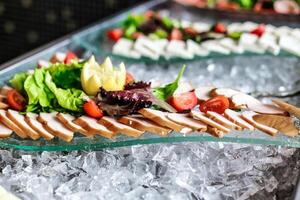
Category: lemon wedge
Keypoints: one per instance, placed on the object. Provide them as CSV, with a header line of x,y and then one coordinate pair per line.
x,y
94,76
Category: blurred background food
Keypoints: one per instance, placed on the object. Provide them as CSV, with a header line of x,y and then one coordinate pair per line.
x,y
27,24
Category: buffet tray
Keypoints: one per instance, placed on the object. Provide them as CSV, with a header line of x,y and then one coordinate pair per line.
x,y
75,42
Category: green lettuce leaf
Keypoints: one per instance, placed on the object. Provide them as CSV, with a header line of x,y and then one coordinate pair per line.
x,y
163,93
70,99
66,75
18,80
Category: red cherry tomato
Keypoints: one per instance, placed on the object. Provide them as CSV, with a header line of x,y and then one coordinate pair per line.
x,y
115,34
148,14
184,101
69,57
16,100
176,34
216,104
219,28
136,35
259,30
92,109
129,78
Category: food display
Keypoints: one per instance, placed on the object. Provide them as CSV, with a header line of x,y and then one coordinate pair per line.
x,y
154,36
67,95
260,6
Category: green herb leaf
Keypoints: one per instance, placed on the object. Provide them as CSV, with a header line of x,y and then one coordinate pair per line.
x,y
163,93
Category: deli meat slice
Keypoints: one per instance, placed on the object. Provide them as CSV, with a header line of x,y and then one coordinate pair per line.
x,y
248,116
4,131
201,116
56,128
222,120
67,120
236,118
185,120
19,120
203,93
160,118
31,119
115,126
142,124
10,124
93,127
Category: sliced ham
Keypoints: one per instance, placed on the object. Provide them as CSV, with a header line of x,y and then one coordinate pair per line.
x,y
282,123
201,116
227,92
4,131
160,118
236,118
58,57
222,120
248,116
93,127
19,120
287,107
10,124
31,119
203,93
67,120
246,101
56,128
185,120
142,124
117,127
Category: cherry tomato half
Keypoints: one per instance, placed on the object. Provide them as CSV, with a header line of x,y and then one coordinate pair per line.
x,y
216,104
115,34
129,78
69,57
16,100
259,30
92,109
219,28
176,34
184,101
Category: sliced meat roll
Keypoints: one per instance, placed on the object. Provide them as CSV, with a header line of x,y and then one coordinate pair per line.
x,y
185,120
55,127
93,127
67,120
19,120
201,116
236,118
142,124
115,126
10,124
4,131
31,119
248,116
160,118
222,120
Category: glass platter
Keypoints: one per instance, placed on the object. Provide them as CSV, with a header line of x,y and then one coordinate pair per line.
x,y
95,38
249,73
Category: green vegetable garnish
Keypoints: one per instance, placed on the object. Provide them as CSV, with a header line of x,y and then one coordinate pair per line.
x,y
163,93
235,35
18,80
167,22
129,31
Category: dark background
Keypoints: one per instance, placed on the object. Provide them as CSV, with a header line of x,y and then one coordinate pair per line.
x,y
27,24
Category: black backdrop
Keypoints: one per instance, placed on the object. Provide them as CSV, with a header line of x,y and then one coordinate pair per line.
x,y
26,24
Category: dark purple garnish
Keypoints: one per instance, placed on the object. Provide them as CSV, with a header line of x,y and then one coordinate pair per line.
x,y
134,97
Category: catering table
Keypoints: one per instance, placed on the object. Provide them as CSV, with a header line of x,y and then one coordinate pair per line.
x,y
187,170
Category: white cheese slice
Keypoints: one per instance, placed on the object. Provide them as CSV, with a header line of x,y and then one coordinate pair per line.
x,y
196,49
282,30
140,47
248,26
290,44
234,27
296,33
177,48
268,41
215,46
249,42
123,47
231,45
201,26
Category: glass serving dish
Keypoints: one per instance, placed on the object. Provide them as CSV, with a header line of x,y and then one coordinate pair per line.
x,y
95,38
249,73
